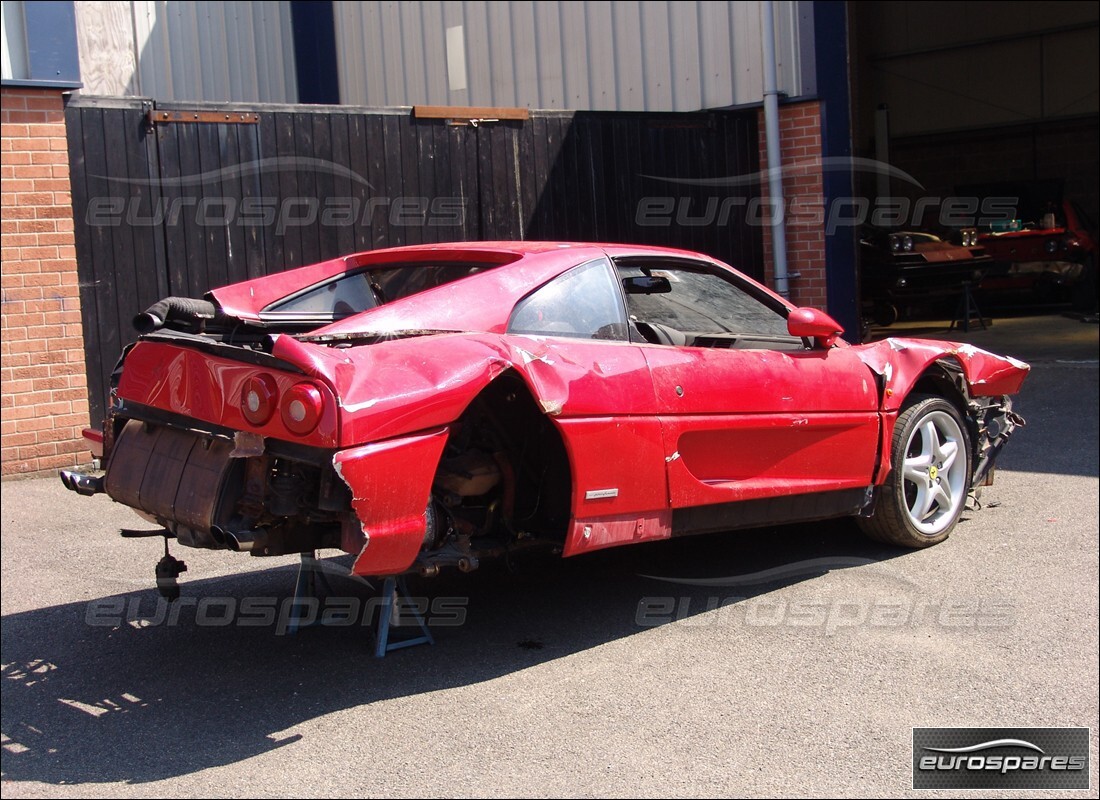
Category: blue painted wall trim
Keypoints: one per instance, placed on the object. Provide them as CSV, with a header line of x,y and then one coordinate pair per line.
x,y
315,52
831,56
52,59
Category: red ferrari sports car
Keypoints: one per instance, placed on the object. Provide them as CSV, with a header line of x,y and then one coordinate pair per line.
x,y
424,407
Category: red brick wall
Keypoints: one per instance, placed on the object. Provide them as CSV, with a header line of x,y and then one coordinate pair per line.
x,y
800,144
44,400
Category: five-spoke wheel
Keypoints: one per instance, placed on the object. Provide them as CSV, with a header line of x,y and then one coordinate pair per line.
x,y
923,497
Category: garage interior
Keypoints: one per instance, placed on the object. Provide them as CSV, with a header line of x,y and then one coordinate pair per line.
x,y
979,93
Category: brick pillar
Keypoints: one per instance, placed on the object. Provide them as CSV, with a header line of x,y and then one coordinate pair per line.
x,y
44,400
800,151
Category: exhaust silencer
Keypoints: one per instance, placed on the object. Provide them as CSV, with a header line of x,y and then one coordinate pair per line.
x,y
80,483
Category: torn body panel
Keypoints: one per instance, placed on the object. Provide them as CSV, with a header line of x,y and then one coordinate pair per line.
x,y
390,483
982,380
903,362
584,377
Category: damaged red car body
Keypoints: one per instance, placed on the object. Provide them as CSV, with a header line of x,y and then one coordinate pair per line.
x,y
430,406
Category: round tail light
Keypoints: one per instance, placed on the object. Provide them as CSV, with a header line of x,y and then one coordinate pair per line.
x,y
301,408
259,396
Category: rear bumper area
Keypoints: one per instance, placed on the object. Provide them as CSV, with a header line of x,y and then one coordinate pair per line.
x,y
177,476
211,492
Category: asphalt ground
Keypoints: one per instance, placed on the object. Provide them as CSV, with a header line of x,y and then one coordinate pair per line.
x,y
593,676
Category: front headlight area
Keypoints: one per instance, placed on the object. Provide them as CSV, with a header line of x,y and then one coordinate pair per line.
x,y
901,243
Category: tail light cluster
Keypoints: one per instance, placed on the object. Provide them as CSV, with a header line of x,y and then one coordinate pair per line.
x,y
300,407
259,397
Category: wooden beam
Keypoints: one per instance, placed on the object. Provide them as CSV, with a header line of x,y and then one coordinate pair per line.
x,y
482,113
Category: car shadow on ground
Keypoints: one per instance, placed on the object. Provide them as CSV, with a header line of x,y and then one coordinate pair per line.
x,y
89,696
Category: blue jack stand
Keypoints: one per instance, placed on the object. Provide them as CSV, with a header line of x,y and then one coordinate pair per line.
x,y
393,590
390,611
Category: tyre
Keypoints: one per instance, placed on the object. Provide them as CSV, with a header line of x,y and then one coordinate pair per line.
x,y
885,313
929,479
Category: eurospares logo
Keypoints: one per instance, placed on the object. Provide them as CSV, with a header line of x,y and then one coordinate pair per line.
x,y
1001,758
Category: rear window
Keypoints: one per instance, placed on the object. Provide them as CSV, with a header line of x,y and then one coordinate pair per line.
x,y
356,292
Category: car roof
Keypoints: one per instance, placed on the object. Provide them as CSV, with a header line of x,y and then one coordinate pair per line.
x,y
481,302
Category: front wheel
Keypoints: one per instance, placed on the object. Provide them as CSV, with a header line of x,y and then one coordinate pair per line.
x,y
924,495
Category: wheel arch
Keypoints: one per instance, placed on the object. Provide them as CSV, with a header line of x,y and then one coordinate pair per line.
x,y
909,507
404,470
943,377
536,448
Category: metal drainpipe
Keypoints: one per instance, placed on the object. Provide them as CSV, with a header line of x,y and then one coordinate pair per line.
x,y
771,135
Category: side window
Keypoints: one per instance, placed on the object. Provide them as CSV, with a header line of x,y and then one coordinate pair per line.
x,y
694,307
584,303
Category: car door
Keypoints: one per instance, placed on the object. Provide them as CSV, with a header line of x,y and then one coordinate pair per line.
x,y
746,410
571,340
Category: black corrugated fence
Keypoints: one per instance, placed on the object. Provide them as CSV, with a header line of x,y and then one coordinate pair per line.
x,y
205,194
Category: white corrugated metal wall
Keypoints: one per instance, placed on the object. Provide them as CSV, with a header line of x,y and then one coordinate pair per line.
x,y
625,55
172,50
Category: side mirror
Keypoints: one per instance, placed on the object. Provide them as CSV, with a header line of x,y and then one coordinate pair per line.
x,y
647,284
814,324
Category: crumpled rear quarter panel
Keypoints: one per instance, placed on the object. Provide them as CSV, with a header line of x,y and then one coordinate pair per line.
x,y
390,484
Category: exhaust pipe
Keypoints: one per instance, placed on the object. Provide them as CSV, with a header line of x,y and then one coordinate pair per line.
x,y
80,483
241,541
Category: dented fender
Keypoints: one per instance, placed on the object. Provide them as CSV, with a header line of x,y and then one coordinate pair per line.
x,y
391,485
401,386
421,382
902,362
986,381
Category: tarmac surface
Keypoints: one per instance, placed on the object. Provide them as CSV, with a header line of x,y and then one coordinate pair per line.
x,y
594,676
